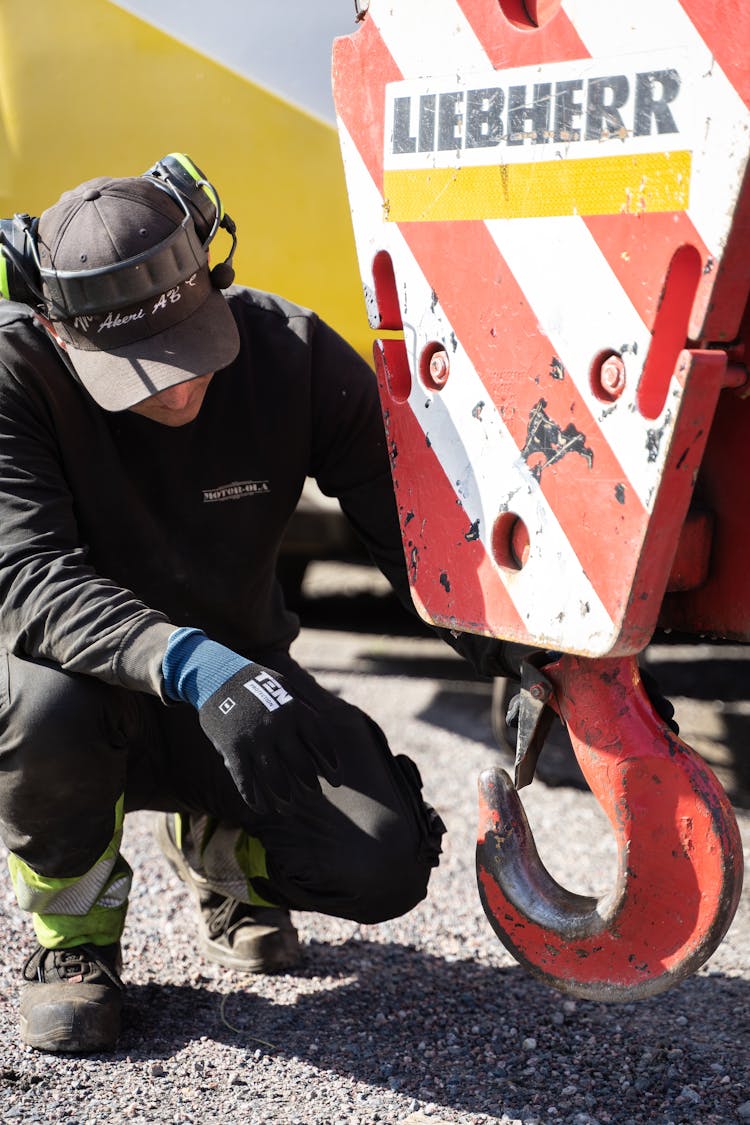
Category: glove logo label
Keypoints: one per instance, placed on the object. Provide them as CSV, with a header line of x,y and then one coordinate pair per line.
x,y
269,691
226,705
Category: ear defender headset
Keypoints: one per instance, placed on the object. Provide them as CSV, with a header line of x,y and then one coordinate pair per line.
x,y
73,293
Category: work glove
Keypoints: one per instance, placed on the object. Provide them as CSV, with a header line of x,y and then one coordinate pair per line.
x,y
267,736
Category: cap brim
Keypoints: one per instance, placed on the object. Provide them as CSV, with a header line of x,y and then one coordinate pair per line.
x,y
206,342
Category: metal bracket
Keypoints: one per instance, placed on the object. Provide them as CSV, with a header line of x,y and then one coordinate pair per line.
x,y
534,716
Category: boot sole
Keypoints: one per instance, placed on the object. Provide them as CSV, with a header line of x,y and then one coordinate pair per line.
x,y
274,961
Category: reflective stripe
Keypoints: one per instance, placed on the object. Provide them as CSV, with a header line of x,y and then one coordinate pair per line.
x,y
116,894
223,860
78,894
101,925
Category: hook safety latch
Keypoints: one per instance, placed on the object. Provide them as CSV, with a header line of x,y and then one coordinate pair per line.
x,y
530,711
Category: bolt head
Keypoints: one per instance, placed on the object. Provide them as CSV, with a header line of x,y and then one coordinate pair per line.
x,y
439,367
612,376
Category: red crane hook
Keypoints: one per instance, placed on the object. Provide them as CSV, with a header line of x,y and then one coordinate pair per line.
x,y
679,848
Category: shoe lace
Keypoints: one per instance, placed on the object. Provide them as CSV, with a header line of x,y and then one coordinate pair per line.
x,y
229,911
69,963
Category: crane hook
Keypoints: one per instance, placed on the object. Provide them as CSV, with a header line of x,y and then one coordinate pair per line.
x,y
679,849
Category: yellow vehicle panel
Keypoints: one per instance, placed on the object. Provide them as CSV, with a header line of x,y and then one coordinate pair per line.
x,y
91,88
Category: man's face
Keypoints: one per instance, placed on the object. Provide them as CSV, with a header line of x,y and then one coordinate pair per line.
x,y
177,405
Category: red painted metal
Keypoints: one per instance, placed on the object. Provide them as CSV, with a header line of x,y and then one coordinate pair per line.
x,y
679,850
720,605
569,481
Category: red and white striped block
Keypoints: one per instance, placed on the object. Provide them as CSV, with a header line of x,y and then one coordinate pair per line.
x,y
528,203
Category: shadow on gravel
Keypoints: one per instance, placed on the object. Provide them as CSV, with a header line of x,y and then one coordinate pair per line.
x,y
469,1035
719,680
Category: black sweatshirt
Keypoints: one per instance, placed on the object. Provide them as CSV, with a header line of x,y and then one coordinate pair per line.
x,y
115,529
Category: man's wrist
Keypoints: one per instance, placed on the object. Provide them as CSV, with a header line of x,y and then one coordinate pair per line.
x,y
194,667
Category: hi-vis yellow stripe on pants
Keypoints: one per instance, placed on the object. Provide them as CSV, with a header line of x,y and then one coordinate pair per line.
x,y
78,909
614,185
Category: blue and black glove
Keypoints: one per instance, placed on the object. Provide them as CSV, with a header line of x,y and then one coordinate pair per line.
x,y
266,736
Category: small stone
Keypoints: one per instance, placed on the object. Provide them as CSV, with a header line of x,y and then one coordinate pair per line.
x,y
743,1111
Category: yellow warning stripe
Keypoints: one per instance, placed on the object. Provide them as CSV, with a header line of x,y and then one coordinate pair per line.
x,y
609,185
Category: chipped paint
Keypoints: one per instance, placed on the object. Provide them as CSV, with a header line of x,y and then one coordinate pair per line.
x,y
414,562
653,441
548,440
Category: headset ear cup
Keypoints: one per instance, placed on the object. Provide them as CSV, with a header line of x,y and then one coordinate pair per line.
x,y
188,179
199,193
19,276
6,266
183,172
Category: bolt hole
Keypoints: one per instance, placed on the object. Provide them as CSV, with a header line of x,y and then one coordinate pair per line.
x,y
388,313
510,541
434,366
528,15
392,367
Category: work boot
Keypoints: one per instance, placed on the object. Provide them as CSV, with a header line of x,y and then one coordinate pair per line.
x,y
71,999
250,939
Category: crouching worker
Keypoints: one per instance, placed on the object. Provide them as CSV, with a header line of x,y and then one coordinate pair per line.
x,y
155,435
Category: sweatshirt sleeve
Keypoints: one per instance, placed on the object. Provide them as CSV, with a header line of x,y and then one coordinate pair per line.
x,y
53,604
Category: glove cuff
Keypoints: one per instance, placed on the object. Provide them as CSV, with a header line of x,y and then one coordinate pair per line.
x,y
194,667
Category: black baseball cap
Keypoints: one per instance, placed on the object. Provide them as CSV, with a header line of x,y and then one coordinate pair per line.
x,y
124,269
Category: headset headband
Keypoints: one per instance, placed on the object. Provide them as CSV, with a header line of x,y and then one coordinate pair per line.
x,y
81,292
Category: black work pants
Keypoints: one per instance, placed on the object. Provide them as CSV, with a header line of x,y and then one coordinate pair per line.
x,y
71,746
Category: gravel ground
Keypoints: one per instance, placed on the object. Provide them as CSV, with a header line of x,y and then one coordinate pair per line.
x,y
424,1019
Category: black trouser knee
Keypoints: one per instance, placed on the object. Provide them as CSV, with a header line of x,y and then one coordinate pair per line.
x,y
364,849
